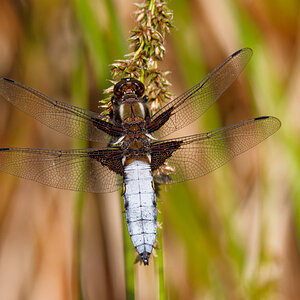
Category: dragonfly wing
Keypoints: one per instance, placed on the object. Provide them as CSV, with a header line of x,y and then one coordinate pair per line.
x,y
188,107
90,170
198,155
63,117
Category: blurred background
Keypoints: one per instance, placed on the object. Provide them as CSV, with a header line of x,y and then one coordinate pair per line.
x,y
233,234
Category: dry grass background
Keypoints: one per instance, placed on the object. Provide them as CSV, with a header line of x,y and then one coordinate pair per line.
x,y
233,234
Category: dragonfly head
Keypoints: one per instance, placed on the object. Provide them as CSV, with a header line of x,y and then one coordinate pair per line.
x,y
129,86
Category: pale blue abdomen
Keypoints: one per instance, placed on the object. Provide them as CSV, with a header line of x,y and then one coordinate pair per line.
x,y
140,207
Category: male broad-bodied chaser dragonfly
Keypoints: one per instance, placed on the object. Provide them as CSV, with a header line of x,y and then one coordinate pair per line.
x,y
132,152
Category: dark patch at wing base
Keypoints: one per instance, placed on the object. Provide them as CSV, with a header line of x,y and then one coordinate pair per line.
x,y
107,127
160,151
159,121
112,160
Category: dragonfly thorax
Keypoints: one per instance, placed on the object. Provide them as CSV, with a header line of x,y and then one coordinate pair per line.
x,y
132,112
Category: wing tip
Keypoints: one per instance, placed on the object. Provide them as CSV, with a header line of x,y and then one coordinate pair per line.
x,y
4,149
273,119
249,50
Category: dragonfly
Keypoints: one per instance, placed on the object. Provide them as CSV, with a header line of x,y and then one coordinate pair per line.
x,y
132,154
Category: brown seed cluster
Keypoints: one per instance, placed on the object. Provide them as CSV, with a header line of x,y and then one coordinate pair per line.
x,y
147,39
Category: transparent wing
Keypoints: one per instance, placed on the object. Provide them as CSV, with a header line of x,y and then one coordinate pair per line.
x,y
193,103
65,118
199,154
88,170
